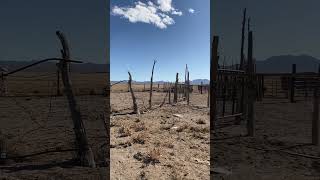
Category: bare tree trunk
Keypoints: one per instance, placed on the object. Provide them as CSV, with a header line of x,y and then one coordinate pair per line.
x,y
84,151
135,106
175,96
151,83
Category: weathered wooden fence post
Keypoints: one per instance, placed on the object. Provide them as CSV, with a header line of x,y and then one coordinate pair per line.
x,y
175,96
151,84
213,81
185,81
292,83
251,88
169,92
3,82
3,149
315,120
85,154
134,100
242,39
188,89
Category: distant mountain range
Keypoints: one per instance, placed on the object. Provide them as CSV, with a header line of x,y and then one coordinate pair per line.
x,y
274,64
283,64
193,82
51,67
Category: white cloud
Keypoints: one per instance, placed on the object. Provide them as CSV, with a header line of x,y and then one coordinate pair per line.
x,y
175,12
191,10
149,12
165,5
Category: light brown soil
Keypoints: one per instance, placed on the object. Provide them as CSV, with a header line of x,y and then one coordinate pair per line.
x,y
168,142
279,125
38,124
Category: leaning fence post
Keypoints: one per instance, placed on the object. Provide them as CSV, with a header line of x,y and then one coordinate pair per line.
x,y
151,84
135,106
175,96
85,153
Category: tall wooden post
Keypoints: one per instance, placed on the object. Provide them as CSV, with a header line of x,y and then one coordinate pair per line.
x,y
213,81
175,96
292,88
170,93
185,81
251,88
151,83
85,154
188,90
242,39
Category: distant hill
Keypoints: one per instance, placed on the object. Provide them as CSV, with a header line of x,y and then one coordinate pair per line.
x,y
283,64
51,67
193,82
198,81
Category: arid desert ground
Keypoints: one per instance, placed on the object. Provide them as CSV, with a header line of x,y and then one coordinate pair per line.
x,y
38,130
168,142
281,148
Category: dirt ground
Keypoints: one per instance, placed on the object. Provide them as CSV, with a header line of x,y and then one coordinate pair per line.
x,y
282,130
37,124
168,142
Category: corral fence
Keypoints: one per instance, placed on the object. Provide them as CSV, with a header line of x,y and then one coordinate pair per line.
x,y
236,91
174,92
60,88
232,92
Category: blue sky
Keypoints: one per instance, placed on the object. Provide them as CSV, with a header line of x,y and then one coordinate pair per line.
x,y
173,33
280,27
28,29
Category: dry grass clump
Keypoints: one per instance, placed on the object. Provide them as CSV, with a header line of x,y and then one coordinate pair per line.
x,y
139,127
124,132
151,157
139,139
182,128
200,121
165,127
199,129
168,145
